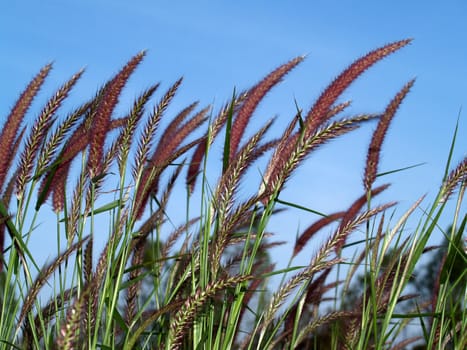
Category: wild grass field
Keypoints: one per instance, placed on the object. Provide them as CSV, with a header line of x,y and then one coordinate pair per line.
x,y
206,284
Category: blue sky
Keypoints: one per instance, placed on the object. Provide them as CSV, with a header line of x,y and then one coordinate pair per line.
x,y
220,45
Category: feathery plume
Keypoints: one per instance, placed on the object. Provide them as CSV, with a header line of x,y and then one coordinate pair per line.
x,y
457,177
171,130
39,131
91,292
166,154
75,207
55,179
297,147
374,149
229,181
353,210
69,332
138,244
10,186
185,316
284,152
319,112
13,121
149,183
145,142
213,130
172,239
45,316
344,231
174,135
87,271
134,283
57,137
314,295
281,295
134,117
255,95
42,278
315,227
101,118
320,321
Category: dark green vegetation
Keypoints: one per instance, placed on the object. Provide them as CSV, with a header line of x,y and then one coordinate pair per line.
x,y
204,285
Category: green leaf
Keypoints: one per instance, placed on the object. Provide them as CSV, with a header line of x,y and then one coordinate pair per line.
x,y
299,207
103,209
280,272
400,169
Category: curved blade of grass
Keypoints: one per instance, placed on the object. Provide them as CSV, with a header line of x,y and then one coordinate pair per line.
x,y
107,207
16,236
400,169
451,149
282,271
293,205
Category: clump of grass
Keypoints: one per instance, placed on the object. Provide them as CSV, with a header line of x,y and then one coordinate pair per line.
x,y
205,283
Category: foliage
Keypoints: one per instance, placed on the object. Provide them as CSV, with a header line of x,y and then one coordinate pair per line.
x,y
204,284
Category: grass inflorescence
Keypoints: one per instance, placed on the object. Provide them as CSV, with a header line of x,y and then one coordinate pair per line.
x,y
205,284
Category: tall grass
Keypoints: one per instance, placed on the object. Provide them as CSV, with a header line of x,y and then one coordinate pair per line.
x,y
205,284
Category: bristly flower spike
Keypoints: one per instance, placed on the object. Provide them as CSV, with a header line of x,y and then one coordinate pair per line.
x,y
171,130
101,120
379,135
128,131
318,113
353,211
255,95
294,148
457,177
58,174
11,126
315,227
214,129
146,139
39,131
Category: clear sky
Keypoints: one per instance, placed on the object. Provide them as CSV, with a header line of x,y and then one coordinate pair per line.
x,y
220,45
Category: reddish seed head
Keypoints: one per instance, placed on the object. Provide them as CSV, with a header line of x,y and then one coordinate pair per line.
x,y
318,113
255,96
374,149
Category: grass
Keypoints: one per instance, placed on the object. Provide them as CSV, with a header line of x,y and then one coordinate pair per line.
x,y
206,283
